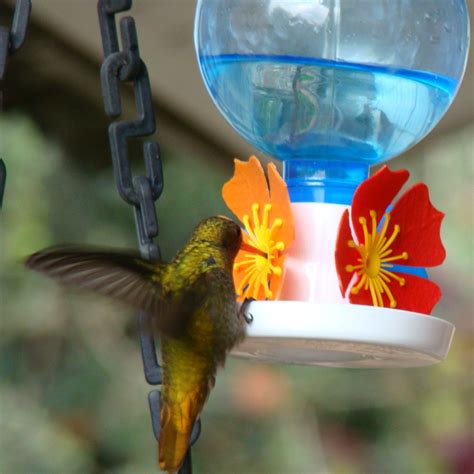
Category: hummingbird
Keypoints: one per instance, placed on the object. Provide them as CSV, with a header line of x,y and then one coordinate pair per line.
x,y
192,306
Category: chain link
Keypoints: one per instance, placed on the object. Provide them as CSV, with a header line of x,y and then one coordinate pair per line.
x,y
3,180
141,192
11,40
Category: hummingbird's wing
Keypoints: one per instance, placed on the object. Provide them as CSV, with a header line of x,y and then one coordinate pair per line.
x,y
122,275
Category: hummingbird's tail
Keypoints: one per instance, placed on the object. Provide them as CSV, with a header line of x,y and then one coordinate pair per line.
x,y
176,423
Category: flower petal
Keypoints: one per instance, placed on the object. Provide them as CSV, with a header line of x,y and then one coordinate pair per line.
x,y
420,224
275,280
344,254
240,274
246,187
260,295
239,270
281,207
375,193
419,295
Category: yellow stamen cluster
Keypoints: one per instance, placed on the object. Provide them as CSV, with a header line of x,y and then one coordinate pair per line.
x,y
375,258
259,266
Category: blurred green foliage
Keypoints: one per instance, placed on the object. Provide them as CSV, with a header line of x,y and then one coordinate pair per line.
x,y
72,392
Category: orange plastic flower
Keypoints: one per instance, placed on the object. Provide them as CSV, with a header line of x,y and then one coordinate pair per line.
x,y
264,209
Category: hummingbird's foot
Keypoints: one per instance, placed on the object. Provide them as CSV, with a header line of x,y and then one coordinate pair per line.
x,y
244,310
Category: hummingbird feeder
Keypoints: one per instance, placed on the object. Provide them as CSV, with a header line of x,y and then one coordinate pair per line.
x,y
331,88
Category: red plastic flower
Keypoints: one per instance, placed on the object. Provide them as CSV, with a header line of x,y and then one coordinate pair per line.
x,y
371,240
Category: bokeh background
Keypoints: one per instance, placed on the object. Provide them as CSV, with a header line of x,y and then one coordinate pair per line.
x,y
72,392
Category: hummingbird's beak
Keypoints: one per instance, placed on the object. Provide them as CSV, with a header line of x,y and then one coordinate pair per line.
x,y
250,248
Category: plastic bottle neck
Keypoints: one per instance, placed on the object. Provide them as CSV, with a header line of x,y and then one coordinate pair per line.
x,y
320,180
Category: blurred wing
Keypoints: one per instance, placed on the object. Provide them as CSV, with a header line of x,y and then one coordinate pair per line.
x,y
121,275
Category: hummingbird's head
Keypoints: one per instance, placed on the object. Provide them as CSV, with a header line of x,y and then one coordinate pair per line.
x,y
220,231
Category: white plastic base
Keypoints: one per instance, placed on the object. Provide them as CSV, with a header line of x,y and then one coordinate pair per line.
x,y
310,272
343,335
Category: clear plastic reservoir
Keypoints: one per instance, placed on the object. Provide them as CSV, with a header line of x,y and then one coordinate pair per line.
x,y
331,87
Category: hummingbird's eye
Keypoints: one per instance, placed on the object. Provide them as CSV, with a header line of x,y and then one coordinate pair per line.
x,y
238,234
232,237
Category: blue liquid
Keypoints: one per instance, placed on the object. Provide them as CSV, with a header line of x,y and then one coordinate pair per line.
x,y
326,120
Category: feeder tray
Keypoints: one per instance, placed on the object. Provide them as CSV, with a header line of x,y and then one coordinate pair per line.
x,y
343,335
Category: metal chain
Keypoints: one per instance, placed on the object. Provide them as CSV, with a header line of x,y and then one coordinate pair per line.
x,y
11,40
143,191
